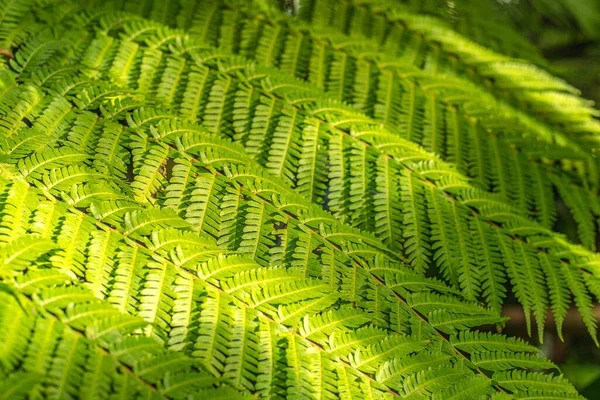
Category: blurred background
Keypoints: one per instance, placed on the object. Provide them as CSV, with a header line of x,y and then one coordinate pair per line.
x,y
567,33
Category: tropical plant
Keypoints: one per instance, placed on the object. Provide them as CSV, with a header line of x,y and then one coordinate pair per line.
x,y
223,199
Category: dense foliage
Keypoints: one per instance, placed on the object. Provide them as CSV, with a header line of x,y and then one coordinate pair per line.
x,y
234,199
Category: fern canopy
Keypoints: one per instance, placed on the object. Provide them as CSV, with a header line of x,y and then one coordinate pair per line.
x,y
217,199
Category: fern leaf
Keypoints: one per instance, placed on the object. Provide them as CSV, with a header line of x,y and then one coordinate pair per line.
x,y
416,231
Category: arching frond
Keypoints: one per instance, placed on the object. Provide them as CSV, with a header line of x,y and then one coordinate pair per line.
x,y
329,205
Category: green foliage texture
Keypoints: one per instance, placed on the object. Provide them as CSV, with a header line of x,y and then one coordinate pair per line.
x,y
241,199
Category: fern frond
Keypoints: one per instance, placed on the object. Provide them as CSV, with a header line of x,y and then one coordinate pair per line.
x,y
85,345
193,224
